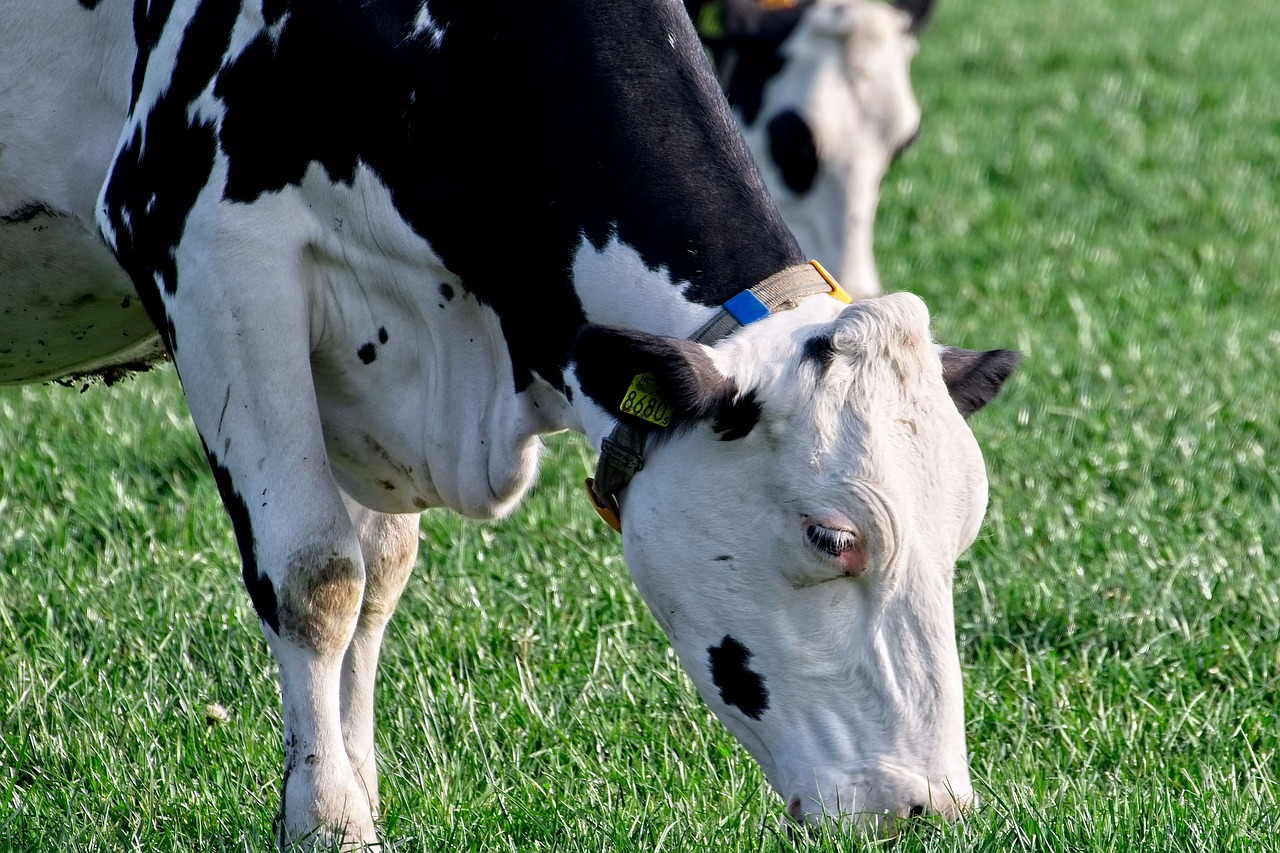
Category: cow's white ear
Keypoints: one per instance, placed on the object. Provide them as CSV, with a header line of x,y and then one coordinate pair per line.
x,y
975,378
618,368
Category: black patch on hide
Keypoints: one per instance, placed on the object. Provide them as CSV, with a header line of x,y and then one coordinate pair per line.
x,y
623,134
738,685
261,592
154,181
368,353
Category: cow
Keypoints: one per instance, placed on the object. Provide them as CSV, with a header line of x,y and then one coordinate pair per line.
x,y
387,244
822,92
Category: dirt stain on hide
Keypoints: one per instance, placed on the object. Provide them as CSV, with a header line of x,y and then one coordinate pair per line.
x,y
319,599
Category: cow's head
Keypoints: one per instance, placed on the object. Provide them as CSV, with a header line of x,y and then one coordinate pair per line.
x,y
795,530
835,110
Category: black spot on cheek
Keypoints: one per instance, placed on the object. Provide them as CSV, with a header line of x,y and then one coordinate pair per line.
x,y
446,291
736,419
368,353
792,148
820,351
382,334
723,557
738,685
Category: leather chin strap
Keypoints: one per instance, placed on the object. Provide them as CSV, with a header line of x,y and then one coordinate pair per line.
x,y
622,452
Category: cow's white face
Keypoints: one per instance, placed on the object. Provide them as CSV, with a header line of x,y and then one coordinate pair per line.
x,y
830,123
796,540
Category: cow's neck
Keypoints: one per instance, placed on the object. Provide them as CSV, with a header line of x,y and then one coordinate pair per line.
x,y
614,158
653,155
671,217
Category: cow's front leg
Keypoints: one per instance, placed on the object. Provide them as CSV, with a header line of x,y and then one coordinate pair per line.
x,y
319,596
390,546
247,375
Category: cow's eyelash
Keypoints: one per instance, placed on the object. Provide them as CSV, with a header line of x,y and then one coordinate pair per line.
x,y
831,541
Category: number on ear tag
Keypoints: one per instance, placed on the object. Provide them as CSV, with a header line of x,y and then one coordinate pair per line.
x,y
643,401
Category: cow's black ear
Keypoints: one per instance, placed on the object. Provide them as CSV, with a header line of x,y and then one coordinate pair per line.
x,y
919,10
649,380
974,378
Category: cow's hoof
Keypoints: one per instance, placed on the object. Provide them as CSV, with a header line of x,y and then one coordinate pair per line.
x,y
324,821
331,839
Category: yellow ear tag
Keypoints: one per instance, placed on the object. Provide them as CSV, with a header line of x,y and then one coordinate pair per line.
x,y
643,401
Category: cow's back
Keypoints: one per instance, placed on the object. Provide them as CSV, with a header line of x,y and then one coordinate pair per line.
x,y
65,305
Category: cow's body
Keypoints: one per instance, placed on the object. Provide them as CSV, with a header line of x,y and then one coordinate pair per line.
x,y
822,91
380,240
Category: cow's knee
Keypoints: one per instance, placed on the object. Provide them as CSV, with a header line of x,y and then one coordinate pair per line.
x,y
389,552
319,597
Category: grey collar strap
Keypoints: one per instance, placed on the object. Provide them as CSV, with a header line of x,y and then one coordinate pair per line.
x,y
622,452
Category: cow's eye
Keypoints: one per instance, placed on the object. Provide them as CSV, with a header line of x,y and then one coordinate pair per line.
x,y
831,541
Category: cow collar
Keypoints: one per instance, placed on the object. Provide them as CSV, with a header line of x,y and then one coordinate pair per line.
x,y
622,451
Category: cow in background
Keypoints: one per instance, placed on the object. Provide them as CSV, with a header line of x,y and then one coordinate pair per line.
x,y
822,92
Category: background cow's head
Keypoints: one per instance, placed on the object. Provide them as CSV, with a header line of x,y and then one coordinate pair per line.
x,y
822,90
795,531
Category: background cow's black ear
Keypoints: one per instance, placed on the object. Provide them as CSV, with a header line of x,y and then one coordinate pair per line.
x,y
608,360
919,10
974,378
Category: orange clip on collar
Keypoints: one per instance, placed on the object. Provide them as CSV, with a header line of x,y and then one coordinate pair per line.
x,y
837,292
605,511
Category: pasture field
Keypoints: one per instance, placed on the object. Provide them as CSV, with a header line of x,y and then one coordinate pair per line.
x,y
1097,184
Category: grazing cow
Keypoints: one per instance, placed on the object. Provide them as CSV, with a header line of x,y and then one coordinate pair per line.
x,y
388,243
822,91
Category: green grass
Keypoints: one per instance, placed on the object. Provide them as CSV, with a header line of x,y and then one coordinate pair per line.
x,y
1097,184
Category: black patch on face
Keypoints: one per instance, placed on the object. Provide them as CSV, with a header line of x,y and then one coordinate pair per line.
x,y
261,592
446,291
819,351
382,334
622,135
723,557
792,149
90,4
738,685
736,419
368,353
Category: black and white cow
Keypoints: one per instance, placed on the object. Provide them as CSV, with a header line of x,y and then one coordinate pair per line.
x,y
822,91
390,242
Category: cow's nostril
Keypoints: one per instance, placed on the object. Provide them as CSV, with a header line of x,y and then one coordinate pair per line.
x,y
792,149
917,810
